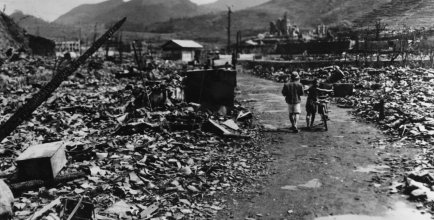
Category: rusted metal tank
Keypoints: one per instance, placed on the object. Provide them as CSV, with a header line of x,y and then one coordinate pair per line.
x,y
214,87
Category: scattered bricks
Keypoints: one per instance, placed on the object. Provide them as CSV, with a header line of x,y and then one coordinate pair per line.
x,y
6,201
42,161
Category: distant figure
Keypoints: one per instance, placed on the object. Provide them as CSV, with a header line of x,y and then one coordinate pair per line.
x,y
208,64
227,66
234,59
293,92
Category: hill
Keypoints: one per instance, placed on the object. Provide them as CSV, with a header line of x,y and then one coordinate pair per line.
x,y
184,19
222,5
139,12
304,13
87,32
399,13
11,35
39,27
87,13
57,32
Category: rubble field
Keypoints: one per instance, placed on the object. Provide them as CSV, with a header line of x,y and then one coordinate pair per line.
x,y
135,149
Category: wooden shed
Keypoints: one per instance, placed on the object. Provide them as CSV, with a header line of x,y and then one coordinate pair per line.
x,y
181,50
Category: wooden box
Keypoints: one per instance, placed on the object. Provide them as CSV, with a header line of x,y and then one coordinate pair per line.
x,y
42,162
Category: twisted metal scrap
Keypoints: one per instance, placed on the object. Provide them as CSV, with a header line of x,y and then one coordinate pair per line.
x,y
25,112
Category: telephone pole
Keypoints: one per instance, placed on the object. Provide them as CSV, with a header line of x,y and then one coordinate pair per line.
x,y
94,32
79,39
229,28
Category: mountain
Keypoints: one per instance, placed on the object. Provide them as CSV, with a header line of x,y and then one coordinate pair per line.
x,y
399,13
306,14
139,12
87,12
87,32
184,19
39,27
222,5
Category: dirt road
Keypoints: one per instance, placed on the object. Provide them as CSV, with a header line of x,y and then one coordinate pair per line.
x,y
316,174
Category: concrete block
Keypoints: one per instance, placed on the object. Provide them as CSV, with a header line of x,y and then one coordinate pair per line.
x,y
42,162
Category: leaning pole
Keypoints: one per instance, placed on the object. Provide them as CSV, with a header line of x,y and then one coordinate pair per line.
x,y
25,112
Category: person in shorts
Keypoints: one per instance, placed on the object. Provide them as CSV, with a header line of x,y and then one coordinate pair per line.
x,y
293,91
311,106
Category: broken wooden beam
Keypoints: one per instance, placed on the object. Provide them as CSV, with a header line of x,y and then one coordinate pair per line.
x,y
35,184
25,112
214,127
41,162
42,211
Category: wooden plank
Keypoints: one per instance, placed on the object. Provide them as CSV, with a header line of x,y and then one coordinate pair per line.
x,y
36,184
42,211
218,128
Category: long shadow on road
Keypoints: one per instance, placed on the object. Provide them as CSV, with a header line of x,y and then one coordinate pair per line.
x,y
315,174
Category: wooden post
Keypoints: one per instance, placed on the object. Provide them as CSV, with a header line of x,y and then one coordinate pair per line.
x,y
136,57
94,32
25,112
120,46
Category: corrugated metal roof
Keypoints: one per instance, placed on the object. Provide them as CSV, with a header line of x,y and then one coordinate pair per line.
x,y
187,43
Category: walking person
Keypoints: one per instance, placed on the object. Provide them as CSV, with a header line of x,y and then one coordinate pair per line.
x,y
313,93
293,91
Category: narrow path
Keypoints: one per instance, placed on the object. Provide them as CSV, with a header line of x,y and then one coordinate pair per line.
x,y
317,174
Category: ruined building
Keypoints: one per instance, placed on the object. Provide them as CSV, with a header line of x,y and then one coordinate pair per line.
x,y
283,28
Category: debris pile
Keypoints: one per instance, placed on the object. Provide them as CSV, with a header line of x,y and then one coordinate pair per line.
x,y
134,149
400,101
326,74
407,97
407,94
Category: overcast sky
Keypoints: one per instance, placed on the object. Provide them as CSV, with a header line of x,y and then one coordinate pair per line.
x,y
52,9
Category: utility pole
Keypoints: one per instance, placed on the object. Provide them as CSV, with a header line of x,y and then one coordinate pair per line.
x,y
94,32
120,45
229,28
79,40
237,49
